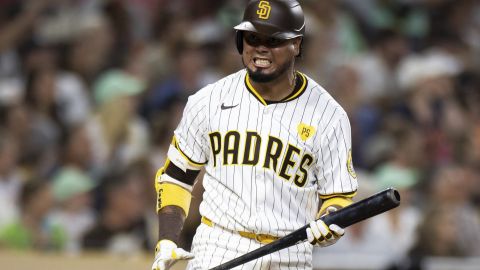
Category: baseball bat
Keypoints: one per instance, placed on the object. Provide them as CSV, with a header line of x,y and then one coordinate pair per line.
x,y
356,212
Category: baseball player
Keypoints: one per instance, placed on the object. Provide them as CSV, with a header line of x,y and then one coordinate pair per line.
x,y
276,148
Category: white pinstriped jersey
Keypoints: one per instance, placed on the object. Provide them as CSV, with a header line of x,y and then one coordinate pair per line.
x,y
266,162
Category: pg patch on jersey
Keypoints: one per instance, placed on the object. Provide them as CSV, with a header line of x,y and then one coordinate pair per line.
x,y
305,131
350,169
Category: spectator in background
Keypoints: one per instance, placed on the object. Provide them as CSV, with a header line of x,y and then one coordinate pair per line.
x,y
332,37
10,178
451,225
402,169
117,134
395,230
91,49
17,19
32,229
74,212
37,151
428,79
436,238
438,233
431,103
72,185
190,73
121,226
46,126
143,170
377,67
76,150
452,185
16,121
68,91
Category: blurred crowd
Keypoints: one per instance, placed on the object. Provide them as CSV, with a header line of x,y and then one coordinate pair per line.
x,y
91,91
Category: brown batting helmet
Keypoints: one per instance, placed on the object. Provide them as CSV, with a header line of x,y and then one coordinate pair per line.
x,y
281,19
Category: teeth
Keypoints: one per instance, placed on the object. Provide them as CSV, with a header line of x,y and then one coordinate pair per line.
x,y
262,62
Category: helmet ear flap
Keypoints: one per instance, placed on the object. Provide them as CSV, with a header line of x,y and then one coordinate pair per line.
x,y
239,41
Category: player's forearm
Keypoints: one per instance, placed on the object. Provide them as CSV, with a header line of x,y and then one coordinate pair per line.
x,y
174,184
170,219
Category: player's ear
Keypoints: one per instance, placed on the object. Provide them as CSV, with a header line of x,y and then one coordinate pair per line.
x,y
297,42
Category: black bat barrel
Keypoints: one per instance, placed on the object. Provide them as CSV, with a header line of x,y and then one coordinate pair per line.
x,y
356,212
366,208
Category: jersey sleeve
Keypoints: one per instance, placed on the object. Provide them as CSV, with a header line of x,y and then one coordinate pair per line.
x,y
334,164
190,141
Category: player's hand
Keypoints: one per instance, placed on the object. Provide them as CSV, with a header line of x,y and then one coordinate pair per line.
x,y
167,254
319,234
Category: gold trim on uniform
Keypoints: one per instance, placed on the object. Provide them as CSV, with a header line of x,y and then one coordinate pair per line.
x,y
261,238
301,89
348,195
253,91
189,160
297,92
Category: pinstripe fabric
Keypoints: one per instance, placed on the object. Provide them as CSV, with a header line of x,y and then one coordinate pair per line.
x,y
230,245
266,165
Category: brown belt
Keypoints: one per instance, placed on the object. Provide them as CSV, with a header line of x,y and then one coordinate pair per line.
x,y
261,238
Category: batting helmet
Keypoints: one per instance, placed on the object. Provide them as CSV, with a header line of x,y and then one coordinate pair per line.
x,y
281,19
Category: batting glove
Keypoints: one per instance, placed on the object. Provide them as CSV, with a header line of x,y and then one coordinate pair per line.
x,y
319,234
167,254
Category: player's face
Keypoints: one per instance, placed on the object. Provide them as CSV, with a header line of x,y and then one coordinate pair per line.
x,y
267,58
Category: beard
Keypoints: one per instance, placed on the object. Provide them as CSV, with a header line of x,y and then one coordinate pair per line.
x,y
260,77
